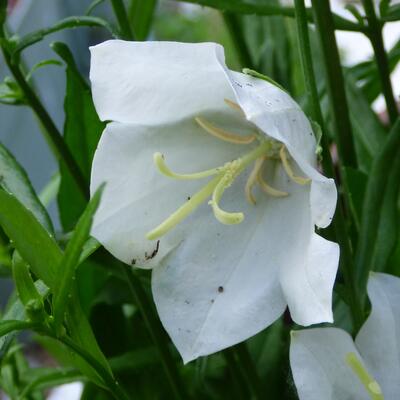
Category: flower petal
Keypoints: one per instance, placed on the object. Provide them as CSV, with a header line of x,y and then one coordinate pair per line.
x,y
319,368
276,114
156,82
221,285
137,197
307,281
379,337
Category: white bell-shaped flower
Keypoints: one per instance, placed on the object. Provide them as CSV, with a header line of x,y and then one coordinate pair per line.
x,y
327,364
211,181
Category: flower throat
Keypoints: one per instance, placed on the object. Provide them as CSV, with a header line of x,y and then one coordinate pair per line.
x,y
226,174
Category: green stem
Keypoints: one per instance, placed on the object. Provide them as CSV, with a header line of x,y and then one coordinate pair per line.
x,y
373,200
375,36
233,23
241,7
113,386
122,18
51,132
335,83
339,223
158,337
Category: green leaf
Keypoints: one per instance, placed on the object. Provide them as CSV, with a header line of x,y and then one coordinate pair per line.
x,y
23,281
15,180
393,13
82,131
66,23
41,64
71,258
36,245
3,12
140,14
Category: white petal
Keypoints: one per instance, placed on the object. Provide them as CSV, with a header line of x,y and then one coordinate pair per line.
x,y
379,337
137,198
279,116
307,281
242,259
317,359
156,82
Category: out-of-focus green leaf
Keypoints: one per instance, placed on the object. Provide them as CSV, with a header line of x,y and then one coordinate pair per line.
x,y
141,14
388,234
3,12
15,180
41,64
71,258
93,5
44,378
82,131
49,192
369,133
392,13
11,93
66,23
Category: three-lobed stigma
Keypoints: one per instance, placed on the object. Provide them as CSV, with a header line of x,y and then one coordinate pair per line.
x,y
226,174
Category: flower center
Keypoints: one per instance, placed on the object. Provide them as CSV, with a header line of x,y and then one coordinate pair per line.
x,y
370,384
225,175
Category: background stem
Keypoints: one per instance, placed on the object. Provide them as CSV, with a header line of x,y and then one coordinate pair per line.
x,y
375,36
123,21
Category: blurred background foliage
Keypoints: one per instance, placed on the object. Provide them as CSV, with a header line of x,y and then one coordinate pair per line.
x,y
120,311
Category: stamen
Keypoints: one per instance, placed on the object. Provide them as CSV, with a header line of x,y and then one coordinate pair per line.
x,y
183,211
269,189
222,216
286,165
234,106
370,384
252,180
223,134
159,161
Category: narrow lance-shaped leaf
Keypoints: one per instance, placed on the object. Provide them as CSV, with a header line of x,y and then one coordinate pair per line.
x,y
82,130
26,289
71,258
14,179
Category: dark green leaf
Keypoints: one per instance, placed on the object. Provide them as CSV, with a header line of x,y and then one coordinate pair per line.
x,y
71,258
66,23
141,14
15,180
393,13
36,245
82,131
3,12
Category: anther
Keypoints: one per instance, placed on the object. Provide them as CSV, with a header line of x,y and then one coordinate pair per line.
x,y
223,134
269,189
234,106
159,161
252,180
286,165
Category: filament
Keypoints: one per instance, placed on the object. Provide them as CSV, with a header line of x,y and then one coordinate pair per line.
x,y
286,165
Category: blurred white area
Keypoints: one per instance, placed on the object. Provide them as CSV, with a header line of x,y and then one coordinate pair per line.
x,y
69,391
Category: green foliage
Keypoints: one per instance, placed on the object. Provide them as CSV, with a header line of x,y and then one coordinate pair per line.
x,y
82,130
93,314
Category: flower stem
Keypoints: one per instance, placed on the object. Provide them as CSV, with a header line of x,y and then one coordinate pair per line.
x,y
51,132
375,36
335,83
123,21
156,333
339,222
233,23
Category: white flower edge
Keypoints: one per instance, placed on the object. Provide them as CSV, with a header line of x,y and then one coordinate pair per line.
x,y
318,356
